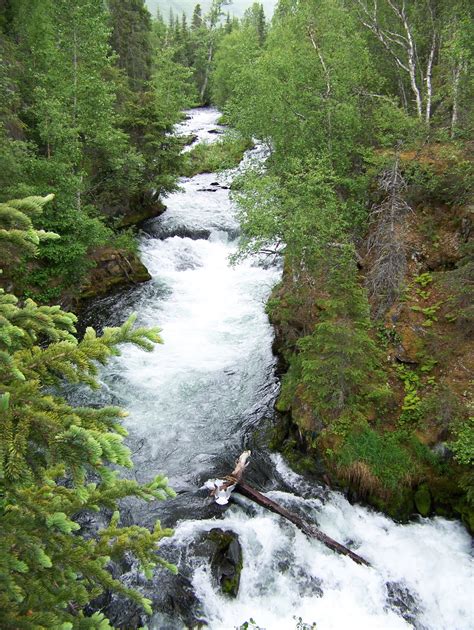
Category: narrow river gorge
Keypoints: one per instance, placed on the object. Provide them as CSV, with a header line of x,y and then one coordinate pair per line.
x,y
206,394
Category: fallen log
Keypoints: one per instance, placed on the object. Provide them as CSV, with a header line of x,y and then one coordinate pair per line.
x,y
221,490
310,530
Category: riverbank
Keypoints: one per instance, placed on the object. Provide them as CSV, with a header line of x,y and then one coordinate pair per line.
x,y
406,454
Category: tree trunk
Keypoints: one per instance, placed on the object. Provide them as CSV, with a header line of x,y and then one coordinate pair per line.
x,y
307,528
207,72
429,77
455,112
234,482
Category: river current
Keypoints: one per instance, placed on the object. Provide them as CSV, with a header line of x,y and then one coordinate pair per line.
x,y
207,393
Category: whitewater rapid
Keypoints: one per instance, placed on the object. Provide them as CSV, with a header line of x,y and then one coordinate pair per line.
x,y
198,399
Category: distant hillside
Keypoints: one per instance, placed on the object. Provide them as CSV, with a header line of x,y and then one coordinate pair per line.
x,y
178,6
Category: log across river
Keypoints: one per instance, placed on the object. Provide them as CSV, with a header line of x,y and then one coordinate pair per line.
x,y
207,394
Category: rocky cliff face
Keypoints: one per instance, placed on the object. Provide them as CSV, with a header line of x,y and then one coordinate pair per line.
x,y
420,437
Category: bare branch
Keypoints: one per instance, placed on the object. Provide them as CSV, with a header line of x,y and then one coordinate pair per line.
x,y
386,243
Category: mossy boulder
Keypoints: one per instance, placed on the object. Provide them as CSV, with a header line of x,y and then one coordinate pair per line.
x,y
113,269
410,345
149,207
226,560
422,500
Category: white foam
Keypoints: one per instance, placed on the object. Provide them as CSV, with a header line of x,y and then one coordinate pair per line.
x,y
284,572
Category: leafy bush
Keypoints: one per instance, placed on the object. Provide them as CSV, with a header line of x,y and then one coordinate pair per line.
x,y
463,444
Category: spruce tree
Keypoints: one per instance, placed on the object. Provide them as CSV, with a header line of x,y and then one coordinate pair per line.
x,y
55,460
131,40
196,21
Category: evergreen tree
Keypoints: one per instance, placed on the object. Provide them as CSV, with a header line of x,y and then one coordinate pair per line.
x,y
131,40
83,120
196,20
157,99
254,17
69,121
54,460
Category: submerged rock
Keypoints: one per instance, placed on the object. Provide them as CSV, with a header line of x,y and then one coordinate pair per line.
x,y
224,551
403,602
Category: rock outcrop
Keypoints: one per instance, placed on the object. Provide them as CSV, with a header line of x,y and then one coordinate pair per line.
x,y
114,268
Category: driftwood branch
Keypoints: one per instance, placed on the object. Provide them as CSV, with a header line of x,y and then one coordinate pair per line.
x,y
234,482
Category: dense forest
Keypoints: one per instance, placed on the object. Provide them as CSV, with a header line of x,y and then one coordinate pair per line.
x,y
365,110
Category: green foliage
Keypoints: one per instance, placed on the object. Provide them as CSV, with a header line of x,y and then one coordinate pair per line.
x,y
132,40
387,335
93,100
386,454
463,443
327,121
301,209
411,411
429,312
16,227
194,46
446,176
55,462
459,283
424,279
236,51
224,154
303,92
340,366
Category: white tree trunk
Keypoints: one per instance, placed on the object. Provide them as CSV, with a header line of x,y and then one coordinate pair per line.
x,y
429,77
410,49
207,72
400,46
455,113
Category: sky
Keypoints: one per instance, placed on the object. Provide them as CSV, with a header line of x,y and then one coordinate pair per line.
x,y
237,7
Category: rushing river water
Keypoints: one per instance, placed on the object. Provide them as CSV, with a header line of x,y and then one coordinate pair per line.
x,y
207,393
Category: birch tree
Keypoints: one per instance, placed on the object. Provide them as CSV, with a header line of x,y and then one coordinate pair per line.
x,y
212,19
394,26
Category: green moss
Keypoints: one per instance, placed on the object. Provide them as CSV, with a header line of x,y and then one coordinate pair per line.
x,y
399,505
422,499
467,517
221,538
141,213
302,464
230,585
289,384
279,433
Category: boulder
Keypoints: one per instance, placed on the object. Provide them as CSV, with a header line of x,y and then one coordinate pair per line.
x,y
422,499
113,269
223,549
410,344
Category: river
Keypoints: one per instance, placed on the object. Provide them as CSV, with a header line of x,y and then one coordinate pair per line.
x,y
207,393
